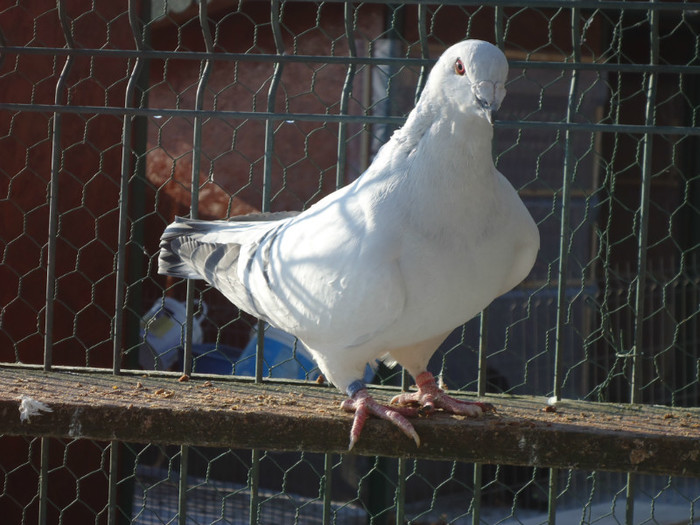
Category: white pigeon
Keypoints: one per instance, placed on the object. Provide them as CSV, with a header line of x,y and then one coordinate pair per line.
x,y
390,264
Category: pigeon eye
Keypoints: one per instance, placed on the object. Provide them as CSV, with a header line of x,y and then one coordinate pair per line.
x,y
459,67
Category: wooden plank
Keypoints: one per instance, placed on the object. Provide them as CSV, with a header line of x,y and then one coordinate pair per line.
x,y
273,416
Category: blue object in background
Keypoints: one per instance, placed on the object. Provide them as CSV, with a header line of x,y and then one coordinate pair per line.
x,y
285,357
210,358
163,330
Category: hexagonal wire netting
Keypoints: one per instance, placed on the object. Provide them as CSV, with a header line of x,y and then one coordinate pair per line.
x,y
117,116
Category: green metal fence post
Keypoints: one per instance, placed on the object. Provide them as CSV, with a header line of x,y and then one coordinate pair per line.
x,y
642,236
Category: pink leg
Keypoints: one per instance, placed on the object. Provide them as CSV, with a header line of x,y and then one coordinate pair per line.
x,y
429,397
362,404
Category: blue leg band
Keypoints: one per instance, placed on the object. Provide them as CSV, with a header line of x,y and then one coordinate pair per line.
x,y
355,387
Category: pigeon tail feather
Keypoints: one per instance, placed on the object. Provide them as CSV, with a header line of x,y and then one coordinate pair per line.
x,y
188,240
178,252
179,242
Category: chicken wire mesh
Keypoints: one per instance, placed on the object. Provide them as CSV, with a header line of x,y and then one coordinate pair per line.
x,y
117,116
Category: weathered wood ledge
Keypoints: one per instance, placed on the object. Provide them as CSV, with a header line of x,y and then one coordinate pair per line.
x,y
298,416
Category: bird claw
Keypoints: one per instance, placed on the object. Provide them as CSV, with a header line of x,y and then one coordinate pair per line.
x,y
485,407
429,397
408,404
362,404
423,403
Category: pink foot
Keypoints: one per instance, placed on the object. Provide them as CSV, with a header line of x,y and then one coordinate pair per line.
x,y
429,397
362,404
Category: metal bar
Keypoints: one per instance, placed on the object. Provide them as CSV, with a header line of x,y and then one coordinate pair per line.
x,y
552,491
642,236
259,353
609,178
275,15
52,239
483,347
201,55
498,27
112,482
196,165
176,375
637,5
254,484
629,498
584,127
590,4
481,390
182,485
43,480
345,98
564,242
121,266
189,314
358,60
626,67
120,292
383,78
481,377
53,193
340,180
644,205
565,228
271,96
400,495
137,207
478,479
327,488
424,48
194,213
483,321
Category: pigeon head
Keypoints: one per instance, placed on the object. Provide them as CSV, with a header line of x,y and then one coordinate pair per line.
x,y
470,75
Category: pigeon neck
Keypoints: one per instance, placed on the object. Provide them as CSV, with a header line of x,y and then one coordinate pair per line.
x,y
466,138
471,127
450,167
467,130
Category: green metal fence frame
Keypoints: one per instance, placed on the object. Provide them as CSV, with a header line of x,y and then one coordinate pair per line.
x,y
132,110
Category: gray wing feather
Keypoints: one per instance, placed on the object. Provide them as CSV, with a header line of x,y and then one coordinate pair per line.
x,y
210,250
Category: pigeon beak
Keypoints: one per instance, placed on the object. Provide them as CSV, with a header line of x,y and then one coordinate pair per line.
x,y
489,96
489,115
488,108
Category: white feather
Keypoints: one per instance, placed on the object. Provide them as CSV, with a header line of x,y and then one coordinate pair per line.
x,y
29,407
